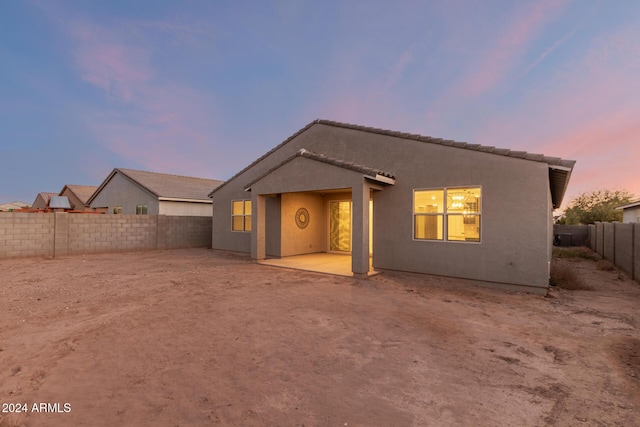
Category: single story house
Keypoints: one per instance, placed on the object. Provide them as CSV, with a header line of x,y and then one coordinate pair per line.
x,y
13,206
42,200
413,203
128,191
630,211
78,195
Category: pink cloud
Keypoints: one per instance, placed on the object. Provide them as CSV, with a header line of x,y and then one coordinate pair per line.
x,y
587,112
148,120
527,22
108,62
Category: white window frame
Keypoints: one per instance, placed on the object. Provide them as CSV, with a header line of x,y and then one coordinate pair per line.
x,y
445,215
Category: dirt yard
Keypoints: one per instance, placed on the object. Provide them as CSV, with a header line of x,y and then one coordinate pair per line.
x,y
198,337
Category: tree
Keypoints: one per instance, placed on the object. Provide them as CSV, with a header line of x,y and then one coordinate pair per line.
x,y
597,205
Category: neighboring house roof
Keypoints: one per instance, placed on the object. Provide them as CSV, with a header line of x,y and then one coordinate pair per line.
x,y
45,196
559,169
82,192
165,186
372,173
629,205
14,205
59,202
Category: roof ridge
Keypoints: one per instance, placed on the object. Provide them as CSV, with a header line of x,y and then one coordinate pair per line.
x,y
555,161
323,158
457,144
169,174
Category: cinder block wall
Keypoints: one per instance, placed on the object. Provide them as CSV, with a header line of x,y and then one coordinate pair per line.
x,y
623,244
112,233
26,235
59,234
184,232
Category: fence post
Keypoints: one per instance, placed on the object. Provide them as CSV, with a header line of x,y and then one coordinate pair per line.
x,y
633,252
60,234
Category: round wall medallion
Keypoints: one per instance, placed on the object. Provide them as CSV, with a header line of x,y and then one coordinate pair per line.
x,y
302,218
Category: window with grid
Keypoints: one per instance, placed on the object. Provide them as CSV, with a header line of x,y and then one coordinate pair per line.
x,y
447,214
241,215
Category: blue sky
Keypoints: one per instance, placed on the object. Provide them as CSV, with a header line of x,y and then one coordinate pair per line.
x,y
203,88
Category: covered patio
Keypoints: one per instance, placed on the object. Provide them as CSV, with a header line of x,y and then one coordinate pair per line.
x,y
337,264
334,196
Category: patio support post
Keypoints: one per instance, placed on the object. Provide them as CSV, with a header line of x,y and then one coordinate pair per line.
x,y
360,230
258,224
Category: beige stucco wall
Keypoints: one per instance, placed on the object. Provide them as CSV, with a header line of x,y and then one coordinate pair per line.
x,y
516,207
185,208
311,239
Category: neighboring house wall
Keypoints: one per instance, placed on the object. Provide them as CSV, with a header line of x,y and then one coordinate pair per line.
x,y
516,226
185,208
120,191
76,204
59,234
41,201
74,201
631,214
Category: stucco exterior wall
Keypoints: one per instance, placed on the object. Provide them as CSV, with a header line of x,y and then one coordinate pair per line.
x,y
76,204
39,203
310,239
174,208
631,214
121,191
516,207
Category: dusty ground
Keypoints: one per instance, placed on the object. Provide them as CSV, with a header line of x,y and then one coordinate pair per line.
x,y
197,337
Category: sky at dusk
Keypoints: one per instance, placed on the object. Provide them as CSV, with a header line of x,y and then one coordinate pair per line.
x,y
203,88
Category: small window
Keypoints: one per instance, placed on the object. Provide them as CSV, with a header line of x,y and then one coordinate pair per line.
x,y
451,214
141,209
241,215
117,210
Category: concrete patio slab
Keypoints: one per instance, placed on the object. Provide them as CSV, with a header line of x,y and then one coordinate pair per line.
x,y
336,264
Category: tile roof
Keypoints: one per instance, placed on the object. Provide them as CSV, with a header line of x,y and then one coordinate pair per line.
x,y
82,192
170,186
14,205
370,172
560,169
46,196
556,161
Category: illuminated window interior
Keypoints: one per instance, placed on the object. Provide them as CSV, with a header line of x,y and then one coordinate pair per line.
x,y
451,214
241,215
